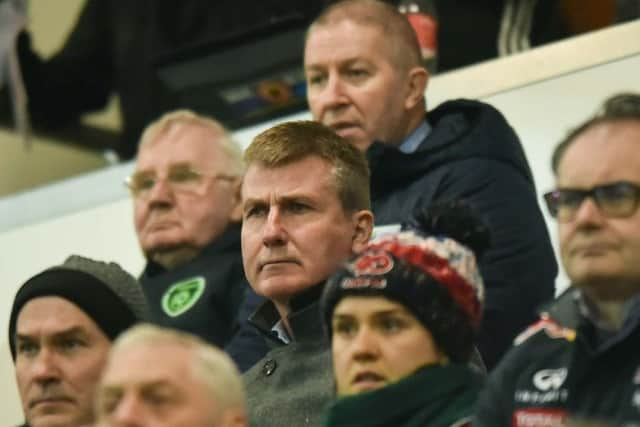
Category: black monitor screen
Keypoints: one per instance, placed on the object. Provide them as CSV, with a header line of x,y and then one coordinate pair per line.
x,y
248,79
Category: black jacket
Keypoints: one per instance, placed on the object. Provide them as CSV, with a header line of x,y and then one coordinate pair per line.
x,y
473,154
563,365
202,296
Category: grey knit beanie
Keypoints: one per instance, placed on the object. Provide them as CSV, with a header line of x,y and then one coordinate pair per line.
x,y
108,294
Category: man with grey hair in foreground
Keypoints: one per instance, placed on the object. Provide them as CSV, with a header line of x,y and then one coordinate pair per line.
x,y
162,377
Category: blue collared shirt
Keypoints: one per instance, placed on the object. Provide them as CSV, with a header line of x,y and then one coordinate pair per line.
x,y
411,143
281,332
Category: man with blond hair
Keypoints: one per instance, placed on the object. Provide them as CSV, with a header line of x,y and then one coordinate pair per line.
x,y
186,196
305,202
370,90
162,377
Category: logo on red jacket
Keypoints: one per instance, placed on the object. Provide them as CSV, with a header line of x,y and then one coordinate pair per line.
x,y
539,417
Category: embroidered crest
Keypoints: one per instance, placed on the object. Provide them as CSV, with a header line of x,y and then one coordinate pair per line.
x,y
372,264
181,296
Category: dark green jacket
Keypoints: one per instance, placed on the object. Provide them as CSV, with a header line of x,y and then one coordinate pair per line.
x,y
213,282
435,396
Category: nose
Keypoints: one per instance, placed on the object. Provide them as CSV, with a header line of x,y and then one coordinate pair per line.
x,y
128,413
331,97
161,193
588,214
365,345
274,233
46,368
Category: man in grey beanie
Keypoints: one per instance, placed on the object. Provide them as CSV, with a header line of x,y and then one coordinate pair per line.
x,y
62,323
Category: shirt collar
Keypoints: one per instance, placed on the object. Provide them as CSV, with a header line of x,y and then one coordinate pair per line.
x,y
281,332
631,309
411,143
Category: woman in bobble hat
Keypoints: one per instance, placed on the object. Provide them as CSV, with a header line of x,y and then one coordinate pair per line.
x,y
402,317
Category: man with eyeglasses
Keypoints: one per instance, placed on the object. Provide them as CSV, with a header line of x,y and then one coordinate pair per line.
x,y
186,196
580,360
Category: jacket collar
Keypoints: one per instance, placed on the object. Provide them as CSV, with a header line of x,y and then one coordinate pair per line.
x,y
573,311
304,319
461,129
227,242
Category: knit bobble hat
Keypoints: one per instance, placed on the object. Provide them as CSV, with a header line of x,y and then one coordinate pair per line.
x,y
428,270
104,291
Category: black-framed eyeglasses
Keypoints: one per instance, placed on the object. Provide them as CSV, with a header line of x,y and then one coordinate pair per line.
x,y
180,178
616,200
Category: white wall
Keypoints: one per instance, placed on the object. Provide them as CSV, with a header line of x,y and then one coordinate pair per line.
x,y
48,159
102,233
541,111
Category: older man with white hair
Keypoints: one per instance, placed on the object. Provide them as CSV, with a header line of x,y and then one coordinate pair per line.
x,y
162,377
186,199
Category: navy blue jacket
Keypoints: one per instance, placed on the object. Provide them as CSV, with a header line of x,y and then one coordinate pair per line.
x,y
472,154
247,346
564,366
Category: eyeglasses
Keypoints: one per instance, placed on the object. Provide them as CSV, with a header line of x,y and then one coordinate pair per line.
x,y
182,179
615,200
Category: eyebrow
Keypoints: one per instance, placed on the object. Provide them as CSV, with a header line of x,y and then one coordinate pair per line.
x,y
151,170
249,203
161,383
280,200
144,384
116,389
295,198
71,331
376,313
341,63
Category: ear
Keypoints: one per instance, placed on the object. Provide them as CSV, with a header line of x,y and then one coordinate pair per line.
x,y
417,80
363,228
236,207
